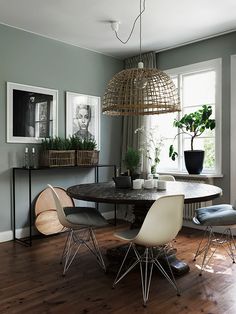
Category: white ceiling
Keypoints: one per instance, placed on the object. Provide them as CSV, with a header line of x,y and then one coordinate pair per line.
x,y
84,23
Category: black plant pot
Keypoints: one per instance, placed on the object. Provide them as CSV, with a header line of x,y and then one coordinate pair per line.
x,y
194,161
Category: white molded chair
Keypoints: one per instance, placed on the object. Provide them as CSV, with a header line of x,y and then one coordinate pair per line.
x,y
166,177
161,225
80,221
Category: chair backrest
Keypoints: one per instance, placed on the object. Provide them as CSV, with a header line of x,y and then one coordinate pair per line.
x,y
59,208
166,177
162,222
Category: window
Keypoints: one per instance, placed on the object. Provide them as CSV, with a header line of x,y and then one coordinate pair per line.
x,y
43,119
199,84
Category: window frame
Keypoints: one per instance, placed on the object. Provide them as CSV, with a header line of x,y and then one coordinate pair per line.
x,y
215,65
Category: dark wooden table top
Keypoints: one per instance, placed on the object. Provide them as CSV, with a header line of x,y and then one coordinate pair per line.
x,y
107,193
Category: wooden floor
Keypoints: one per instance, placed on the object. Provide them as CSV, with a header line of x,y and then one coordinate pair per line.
x,y
31,282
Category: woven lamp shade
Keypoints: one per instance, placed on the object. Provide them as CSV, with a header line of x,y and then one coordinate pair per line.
x,y
140,91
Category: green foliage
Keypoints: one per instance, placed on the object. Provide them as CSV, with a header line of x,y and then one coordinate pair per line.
x,y
132,159
193,124
172,153
76,142
56,143
72,143
88,145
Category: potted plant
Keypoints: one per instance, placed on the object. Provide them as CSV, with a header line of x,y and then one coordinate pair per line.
x,y
193,124
86,153
56,152
132,162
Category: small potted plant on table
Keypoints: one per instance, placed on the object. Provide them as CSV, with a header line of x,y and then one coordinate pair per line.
x,y
193,124
132,162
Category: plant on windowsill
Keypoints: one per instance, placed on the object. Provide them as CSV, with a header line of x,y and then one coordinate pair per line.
x,y
193,124
86,153
132,162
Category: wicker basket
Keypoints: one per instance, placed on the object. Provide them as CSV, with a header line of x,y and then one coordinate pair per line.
x,y
57,158
87,157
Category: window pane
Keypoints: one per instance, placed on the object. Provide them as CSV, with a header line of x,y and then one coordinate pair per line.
x,y
206,134
164,122
167,163
198,143
199,88
209,147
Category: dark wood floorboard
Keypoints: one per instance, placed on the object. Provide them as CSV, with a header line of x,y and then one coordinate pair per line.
x,y
31,281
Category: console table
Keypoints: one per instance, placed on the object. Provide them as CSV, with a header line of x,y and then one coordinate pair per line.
x,y
30,171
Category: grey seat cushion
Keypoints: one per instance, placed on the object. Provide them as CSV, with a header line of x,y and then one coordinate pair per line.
x,y
85,216
216,215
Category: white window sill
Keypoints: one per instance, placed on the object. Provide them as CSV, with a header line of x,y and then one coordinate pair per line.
x,y
197,177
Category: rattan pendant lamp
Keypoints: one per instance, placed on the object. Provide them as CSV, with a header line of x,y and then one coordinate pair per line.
x,y
140,91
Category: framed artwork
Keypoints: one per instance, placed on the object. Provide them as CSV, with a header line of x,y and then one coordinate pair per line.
x,y
83,116
31,113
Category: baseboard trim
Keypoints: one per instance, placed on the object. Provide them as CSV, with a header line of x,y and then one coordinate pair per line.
x,y
6,236
20,233
24,232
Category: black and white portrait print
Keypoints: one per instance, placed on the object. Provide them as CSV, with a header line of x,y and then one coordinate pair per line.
x,y
83,116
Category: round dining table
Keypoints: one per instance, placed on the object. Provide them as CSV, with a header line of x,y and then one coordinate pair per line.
x,y
106,192
142,199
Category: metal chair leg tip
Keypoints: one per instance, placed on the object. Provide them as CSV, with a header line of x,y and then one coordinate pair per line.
x,y
178,294
200,274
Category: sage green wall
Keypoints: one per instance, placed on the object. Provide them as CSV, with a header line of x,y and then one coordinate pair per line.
x,y
33,60
218,47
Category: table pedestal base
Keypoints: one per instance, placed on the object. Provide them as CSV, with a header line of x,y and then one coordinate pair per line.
x,y
116,255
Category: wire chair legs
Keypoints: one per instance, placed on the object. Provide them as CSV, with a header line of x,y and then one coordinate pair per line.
x,y
77,238
226,240
146,261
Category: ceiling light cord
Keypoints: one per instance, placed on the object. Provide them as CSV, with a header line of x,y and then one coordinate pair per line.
x,y
140,32
132,30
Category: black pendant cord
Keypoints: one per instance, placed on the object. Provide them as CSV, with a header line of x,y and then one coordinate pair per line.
x,y
132,30
140,31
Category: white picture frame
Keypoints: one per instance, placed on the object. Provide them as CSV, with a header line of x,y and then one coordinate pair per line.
x,y
31,113
83,116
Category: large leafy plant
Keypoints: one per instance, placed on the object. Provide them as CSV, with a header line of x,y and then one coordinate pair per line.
x,y
193,124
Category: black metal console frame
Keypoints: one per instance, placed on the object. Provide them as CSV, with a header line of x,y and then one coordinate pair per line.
x,y
28,241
